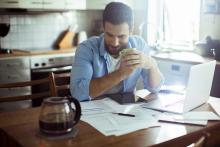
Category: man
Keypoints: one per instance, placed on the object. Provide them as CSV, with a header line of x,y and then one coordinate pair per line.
x,y
99,68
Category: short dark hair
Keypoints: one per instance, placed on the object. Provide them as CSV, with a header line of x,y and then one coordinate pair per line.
x,y
118,13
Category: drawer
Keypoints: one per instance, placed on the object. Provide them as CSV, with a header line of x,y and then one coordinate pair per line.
x,y
15,91
15,76
14,63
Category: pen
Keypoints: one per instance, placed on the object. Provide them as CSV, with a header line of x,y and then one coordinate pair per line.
x,y
125,114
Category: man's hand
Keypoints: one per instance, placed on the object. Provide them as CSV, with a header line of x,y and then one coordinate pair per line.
x,y
133,59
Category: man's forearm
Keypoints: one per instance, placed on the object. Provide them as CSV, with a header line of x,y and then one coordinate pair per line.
x,y
155,76
99,85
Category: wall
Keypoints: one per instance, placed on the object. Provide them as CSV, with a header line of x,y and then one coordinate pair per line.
x,y
209,25
41,30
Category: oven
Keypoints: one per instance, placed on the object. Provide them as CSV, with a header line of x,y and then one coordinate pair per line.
x,y
42,65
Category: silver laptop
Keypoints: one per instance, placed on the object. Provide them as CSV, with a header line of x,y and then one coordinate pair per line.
x,y
196,93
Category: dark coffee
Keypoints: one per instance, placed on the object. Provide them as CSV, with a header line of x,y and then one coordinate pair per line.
x,y
55,128
56,124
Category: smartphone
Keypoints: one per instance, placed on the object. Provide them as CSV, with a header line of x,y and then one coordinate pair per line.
x,y
126,98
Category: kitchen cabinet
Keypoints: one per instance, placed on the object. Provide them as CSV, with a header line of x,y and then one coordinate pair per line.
x,y
9,3
100,4
53,4
16,69
44,4
33,4
75,4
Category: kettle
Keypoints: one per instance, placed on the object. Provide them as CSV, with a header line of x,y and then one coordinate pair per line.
x,y
57,116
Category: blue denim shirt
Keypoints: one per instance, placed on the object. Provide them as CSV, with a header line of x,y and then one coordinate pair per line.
x,y
92,61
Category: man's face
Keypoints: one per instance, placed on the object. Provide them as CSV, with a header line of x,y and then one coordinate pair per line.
x,y
116,37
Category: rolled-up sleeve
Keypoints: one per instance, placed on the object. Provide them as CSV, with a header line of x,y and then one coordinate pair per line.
x,y
145,76
81,73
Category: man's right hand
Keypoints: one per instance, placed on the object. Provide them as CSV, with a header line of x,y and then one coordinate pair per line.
x,y
129,62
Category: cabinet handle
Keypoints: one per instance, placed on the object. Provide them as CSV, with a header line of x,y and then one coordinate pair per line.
x,y
12,65
12,2
36,3
47,3
13,77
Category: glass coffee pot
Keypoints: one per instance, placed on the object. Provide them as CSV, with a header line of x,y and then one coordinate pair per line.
x,y
57,116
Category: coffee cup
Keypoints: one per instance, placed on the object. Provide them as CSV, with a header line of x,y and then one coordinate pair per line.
x,y
126,50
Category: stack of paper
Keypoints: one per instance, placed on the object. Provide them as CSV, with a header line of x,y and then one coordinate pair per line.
x,y
194,117
94,107
99,114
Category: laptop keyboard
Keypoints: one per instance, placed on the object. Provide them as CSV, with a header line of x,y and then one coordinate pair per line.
x,y
172,99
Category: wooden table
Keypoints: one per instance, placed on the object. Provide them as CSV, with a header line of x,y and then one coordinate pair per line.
x,y
20,129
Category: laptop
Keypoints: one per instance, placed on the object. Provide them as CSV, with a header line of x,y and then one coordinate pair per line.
x,y
196,93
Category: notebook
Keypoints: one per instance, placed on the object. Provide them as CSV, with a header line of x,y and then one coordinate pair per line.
x,y
196,93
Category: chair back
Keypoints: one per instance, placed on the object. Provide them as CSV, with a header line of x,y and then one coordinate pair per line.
x,y
61,83
28,96
202,141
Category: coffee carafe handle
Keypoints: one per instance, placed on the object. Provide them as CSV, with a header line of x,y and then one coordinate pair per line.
x,y
78,108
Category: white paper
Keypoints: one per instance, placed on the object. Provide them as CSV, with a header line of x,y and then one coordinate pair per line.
x,y
113,124
171,118
94,107
142,93
216,106
197,115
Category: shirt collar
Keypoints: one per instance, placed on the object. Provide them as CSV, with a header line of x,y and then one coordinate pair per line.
x,y
102,49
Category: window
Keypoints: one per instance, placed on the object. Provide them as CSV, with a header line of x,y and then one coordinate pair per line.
x,y
173,23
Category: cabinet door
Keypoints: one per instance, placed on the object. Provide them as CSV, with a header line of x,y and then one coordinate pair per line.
x,y
9,3
53,4
97,4
75,4
100,4
127,2
31,4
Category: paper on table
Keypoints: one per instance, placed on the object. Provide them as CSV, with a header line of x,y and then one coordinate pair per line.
x,y
112,124
198,115
170,118
94,107
215,106
142,93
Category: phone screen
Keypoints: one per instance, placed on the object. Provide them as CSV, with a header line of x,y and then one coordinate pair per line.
x,y
126,98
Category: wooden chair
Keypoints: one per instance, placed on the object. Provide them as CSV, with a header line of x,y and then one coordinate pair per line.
x,y
61,83
202,141
6,100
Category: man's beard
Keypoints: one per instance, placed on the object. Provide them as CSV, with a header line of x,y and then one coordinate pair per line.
x,y
117,49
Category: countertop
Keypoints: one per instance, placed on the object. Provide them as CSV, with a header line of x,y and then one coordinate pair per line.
x,y
188,57
172,56
18,53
